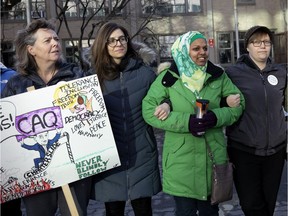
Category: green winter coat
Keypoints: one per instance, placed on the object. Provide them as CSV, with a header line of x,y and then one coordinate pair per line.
x,y
186,164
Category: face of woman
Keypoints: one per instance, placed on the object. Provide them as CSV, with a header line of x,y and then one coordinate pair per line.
x,y
199,52
117,45
258,51
46,47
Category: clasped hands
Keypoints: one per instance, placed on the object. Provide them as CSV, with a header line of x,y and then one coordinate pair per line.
x,y
199,125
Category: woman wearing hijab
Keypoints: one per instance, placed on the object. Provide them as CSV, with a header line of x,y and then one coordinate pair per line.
x,y
186,164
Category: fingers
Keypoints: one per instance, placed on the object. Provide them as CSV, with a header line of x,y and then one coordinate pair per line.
x,y
161,112
237,100
233,100
163,116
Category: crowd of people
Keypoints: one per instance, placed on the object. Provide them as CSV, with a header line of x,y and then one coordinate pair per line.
x,y
244,122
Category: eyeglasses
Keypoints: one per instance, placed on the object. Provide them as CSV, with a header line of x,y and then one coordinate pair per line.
x,y
112,42
259,43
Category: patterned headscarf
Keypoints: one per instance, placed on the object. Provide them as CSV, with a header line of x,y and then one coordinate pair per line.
x,y
192,75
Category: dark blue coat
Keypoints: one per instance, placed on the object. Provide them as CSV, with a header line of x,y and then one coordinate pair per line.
x,y
138,176
6,74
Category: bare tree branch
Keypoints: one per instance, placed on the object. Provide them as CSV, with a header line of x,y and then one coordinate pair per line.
x,y
92,17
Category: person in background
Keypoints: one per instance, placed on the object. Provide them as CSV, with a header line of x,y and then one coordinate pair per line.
x,y
12,207
40,64
125,80
6,73
187,168
257,142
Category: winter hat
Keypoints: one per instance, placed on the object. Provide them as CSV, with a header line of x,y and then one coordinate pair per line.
x,y
253,30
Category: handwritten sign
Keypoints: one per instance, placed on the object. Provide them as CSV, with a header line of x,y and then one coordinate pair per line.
x,y
38,121
54,136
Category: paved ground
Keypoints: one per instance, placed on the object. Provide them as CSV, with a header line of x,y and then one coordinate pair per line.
x,y
163,204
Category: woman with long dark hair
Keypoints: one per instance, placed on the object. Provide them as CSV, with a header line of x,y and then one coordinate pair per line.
x,y
125,80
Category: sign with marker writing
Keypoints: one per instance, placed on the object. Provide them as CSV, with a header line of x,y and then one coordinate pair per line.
x,y
54,136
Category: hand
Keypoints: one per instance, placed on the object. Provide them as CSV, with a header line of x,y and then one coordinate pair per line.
x,y
58,130
196,126
233,100
209,120
162,111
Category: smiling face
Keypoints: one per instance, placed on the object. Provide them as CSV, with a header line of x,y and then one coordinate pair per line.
x,y
119,50
46,47
199,52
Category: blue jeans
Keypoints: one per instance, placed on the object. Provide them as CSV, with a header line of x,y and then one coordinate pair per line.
x,y
190,207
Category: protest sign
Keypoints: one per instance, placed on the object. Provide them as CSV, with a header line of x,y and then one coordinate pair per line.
x,y
54,136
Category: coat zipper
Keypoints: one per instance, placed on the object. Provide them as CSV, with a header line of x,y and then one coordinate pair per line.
x,y
125,128
266,111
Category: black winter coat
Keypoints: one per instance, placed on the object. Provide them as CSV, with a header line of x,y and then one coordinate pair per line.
x,y
138,176
18,84
262,128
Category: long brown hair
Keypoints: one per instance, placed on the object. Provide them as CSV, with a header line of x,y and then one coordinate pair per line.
x,y
104,65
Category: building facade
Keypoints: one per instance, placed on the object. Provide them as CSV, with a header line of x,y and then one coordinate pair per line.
x,y
224,23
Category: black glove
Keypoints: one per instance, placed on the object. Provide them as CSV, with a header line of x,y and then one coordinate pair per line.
x,y
199,125
195,126
209,120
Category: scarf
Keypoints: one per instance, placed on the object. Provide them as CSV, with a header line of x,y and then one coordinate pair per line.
x,y
191,74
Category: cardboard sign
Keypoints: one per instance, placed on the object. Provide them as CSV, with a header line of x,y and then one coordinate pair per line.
x,y
54,136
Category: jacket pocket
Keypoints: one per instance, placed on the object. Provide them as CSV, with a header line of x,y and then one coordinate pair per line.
x,y
174,144
178,152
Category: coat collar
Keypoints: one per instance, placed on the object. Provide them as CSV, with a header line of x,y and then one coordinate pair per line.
x,y
245,59
169,79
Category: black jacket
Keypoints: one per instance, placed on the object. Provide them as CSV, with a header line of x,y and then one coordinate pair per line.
x,y
262,128
138,176
19,83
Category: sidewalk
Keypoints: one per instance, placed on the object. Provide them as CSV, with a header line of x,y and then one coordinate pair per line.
x,y
163,204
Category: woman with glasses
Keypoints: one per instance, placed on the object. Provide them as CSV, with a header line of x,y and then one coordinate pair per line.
x,y
257,142
125,80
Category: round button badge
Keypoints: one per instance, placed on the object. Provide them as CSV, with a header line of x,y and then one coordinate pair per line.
x,y
272,80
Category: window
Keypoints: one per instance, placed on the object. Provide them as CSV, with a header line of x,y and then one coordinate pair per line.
x,y
241,44
245,2
227,49
8,52
13,11
71,52
38,9
76,8
16,10
161,44
71,9
166,43
165,7
225,52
